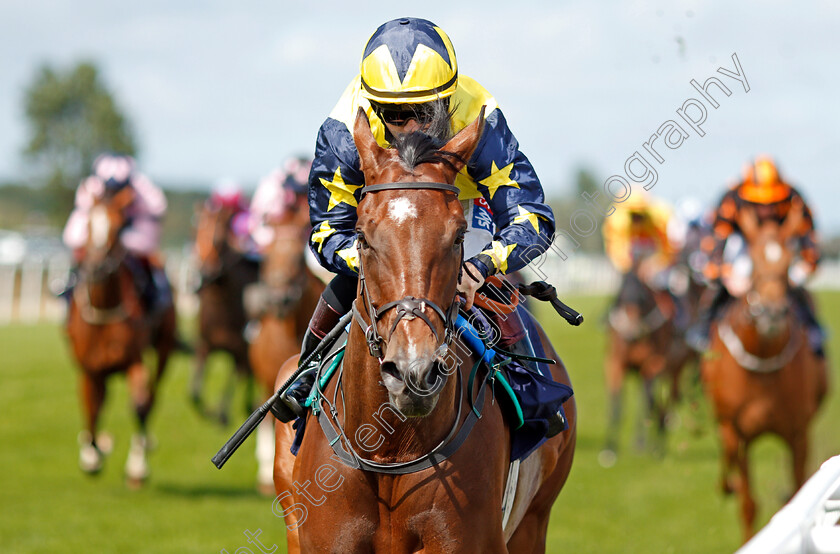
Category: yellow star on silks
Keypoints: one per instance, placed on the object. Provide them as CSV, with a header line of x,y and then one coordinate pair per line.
x,y
499,178
499,254
320,236
525,215
350,257
468,190
339,190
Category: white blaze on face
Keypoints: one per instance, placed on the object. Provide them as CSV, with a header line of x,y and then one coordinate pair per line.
x,y
401,209
773,252
99,226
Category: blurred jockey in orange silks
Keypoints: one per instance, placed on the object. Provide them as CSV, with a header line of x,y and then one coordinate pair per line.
x,y
763,190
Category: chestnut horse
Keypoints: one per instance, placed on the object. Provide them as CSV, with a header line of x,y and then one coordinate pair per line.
x,y
642,339
221,313
108,330
762,376
410,251
286,296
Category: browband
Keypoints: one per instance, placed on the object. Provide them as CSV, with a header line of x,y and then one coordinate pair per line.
x,y
410,185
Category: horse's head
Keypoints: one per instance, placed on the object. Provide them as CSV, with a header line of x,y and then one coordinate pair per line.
x,y
771,254
410,242
107,219
283,269
635,313
211,238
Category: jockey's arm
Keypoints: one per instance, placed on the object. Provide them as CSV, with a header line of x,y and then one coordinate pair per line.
x,y
334,181
809,251
723,226
507,180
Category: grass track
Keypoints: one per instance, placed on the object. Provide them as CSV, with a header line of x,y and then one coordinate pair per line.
x,y
47,505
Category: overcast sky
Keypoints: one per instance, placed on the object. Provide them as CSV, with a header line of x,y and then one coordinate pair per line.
x,y
220,90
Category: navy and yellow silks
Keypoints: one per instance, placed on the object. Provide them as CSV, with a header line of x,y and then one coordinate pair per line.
x,y
408,61
498,172
528,397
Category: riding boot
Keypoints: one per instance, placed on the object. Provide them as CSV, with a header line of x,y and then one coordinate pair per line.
x,y
162,291
805,309
697,336
292,401
142,277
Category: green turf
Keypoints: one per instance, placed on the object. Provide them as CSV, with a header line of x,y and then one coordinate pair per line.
x,y
639,505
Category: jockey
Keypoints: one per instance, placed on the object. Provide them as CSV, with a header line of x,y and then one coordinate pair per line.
x,y
637,233
408,69
141,235
765,191
282,189
637,239
228,196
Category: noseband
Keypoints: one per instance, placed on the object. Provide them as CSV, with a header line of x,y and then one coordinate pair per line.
x,y
407,307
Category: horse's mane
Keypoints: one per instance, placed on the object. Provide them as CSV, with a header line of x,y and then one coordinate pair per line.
x,y
421,147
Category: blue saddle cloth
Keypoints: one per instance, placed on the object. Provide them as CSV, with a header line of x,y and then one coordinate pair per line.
x,y
538,395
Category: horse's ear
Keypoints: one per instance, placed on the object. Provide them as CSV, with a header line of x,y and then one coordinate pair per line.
x,y
465,142
748,223
369,150
794,218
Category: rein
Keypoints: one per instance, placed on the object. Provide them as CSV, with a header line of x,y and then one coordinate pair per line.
x,y
97,316
750,361
651,322
343,448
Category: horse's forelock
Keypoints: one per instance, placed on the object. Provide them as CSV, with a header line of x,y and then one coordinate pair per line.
x,y
421,147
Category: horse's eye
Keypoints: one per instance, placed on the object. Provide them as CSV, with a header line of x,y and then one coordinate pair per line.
x,y
459,238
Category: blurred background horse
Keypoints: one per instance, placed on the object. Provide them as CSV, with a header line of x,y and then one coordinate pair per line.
x,y
225,272
109,328
761,375
283,301
642,335
647,319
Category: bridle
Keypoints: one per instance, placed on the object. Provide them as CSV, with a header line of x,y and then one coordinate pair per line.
x,y
407,307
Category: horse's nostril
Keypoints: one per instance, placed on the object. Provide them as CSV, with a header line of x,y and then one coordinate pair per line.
x,y
433,374
390,369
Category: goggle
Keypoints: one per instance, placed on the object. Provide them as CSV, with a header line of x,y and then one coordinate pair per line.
x,y
399,114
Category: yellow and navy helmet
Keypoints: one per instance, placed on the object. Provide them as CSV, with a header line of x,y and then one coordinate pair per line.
x,y
762,183
408,61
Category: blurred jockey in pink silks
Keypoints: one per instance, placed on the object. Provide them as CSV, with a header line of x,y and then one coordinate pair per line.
x,y
281,190
140,237
229,196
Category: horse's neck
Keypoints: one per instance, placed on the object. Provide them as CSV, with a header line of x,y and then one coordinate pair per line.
x,y
366,404
313,287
